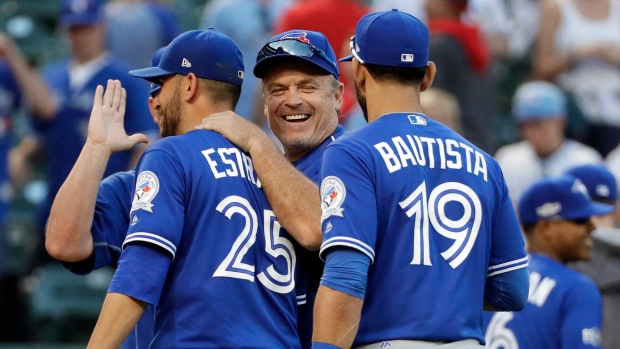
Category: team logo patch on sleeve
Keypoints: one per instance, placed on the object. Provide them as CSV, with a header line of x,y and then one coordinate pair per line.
x,y
147,186
333,193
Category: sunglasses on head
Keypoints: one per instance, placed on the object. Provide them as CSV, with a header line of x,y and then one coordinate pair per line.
x,y
294,48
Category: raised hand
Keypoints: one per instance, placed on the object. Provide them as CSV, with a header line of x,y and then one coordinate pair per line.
x,y
106,127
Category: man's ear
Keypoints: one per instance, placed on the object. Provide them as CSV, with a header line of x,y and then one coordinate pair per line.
x,y
189,87
360,73
427,81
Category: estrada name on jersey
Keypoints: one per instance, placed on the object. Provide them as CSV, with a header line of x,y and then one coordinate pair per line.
x,y
230,271
430,210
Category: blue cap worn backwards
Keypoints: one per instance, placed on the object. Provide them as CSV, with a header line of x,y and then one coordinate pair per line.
x,y
208,54
305,45
80,12
601,183
390,38
538,100
564,197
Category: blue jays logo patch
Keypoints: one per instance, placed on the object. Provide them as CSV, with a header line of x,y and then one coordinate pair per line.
x,y
300,36
333,193
147,186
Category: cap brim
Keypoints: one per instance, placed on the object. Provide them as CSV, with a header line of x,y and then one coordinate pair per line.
x,y
346,59
593,209
262,67
152,74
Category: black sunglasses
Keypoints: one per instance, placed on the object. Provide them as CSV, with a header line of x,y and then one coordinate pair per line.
x,y
581,221
294,48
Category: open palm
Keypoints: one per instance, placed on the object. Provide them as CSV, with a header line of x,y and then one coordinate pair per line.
x,y
106,125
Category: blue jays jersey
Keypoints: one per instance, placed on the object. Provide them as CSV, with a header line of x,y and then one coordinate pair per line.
x,y
10,98
230,282
65,135
432,213
109,229
563,311
310,265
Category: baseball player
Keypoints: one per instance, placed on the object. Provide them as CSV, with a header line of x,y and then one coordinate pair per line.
x,y
73,82
89,217
302,99
418,229
564,307
603,266
194,192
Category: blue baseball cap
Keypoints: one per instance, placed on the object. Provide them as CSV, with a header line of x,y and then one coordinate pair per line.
x,y
208,54
306,45
601,183
155,88
538,100
80,12
390,38
563,197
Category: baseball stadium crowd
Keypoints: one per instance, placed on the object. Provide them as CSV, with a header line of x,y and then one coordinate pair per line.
x,y
535,84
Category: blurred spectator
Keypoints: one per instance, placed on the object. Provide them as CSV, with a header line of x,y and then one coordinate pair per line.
x,y
136,28
414,7
19,85
442,106
336,19
522,26
249,23
73,82
579,47
463,60
604,264
539,109
491,17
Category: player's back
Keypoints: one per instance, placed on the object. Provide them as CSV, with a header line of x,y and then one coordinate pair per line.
x,y
231,281
441,204
558,296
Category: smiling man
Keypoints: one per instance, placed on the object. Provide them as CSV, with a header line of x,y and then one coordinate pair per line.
x,y
564,307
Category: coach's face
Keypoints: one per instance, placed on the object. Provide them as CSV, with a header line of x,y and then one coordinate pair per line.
x,y
302,105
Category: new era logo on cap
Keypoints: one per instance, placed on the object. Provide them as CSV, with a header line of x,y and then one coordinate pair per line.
x,y
186,63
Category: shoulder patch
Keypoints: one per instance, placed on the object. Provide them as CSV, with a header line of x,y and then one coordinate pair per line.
x,y
333,193
147,186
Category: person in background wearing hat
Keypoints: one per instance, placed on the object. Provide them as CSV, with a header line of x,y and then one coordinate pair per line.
x,y
604,264
564,307
302,101
73,82
539,109
427,208
198,191
89,217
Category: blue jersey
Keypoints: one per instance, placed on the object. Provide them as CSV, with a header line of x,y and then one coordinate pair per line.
x,y
10,98
432,213
310,265
563,311
109,229
65,135
229,280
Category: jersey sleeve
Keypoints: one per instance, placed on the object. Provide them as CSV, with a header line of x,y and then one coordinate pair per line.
x,y
507,245
110,222
581,317
157,210
349,207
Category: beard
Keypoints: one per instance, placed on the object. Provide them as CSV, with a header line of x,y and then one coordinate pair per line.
x,y
170,115
361,99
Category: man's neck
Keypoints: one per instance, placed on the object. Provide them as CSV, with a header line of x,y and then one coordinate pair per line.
x,y
391,98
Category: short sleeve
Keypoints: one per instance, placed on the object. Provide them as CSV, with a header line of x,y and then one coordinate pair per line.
x,y
348,201
581,317
110,222
507,245
157,210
